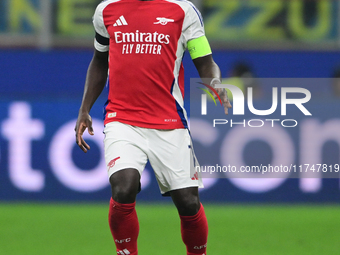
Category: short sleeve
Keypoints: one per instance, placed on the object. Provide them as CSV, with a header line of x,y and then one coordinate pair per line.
x,y
193,26
102,38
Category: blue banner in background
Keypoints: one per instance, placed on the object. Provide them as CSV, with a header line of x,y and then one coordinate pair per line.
x,y
40,94
40,160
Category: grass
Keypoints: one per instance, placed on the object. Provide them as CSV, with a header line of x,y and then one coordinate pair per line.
x,y
53,229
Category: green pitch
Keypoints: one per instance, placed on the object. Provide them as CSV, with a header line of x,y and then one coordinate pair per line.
x,y
55,229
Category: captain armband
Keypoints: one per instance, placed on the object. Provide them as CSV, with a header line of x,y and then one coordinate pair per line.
x,y
199,47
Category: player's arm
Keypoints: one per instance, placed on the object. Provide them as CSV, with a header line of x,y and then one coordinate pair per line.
x,y
95,82
201,55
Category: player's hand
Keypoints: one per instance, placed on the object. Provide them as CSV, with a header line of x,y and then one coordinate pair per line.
x,y
84,121
224,98
222,94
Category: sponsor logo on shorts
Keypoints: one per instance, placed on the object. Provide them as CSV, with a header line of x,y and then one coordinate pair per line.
x,y
195,178
112,163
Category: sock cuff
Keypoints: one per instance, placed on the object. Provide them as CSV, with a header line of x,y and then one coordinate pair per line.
x,y
194,217
122,207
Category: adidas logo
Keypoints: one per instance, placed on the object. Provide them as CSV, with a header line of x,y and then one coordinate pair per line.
x,y
123,252
120,22
195,178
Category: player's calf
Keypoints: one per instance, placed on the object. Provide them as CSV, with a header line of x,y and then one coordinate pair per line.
x,y
124,227
194,231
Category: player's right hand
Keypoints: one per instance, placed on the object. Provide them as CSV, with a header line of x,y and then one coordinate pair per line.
x,y
84,121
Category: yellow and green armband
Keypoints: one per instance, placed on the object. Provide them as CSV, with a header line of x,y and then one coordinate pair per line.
x,y
199,47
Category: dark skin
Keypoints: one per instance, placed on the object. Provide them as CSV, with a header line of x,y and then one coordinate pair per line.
x,y
125,183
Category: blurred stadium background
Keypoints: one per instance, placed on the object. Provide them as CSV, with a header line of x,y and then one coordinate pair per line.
x,y
53,198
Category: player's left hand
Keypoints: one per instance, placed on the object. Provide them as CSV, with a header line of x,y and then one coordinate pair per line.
x,y
222,94
224,98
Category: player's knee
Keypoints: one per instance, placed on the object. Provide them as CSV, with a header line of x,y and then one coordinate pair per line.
x,y
124,194
189,207
124,186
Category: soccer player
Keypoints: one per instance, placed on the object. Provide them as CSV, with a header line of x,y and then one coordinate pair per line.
x,y
141,45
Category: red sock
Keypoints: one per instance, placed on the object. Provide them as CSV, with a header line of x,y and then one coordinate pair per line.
x,y
124,227
195,232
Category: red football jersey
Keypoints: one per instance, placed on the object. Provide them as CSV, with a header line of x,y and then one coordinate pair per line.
x,y
146,41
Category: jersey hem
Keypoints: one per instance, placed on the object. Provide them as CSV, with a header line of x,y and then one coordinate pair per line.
x,y
148,125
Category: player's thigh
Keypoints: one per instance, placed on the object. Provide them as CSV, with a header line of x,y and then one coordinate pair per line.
x,y
173,160
123,148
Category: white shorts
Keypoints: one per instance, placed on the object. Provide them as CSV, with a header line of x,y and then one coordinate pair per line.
x,y
170,153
